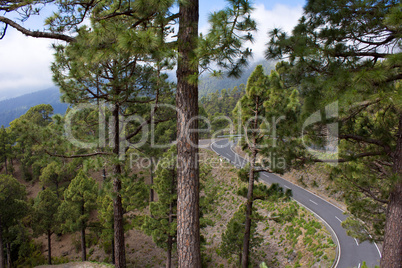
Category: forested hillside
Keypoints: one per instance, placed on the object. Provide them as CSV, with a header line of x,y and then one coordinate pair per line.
x,y
211,84
13,108
218,107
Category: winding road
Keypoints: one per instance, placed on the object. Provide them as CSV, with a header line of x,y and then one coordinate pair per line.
x,y
350,253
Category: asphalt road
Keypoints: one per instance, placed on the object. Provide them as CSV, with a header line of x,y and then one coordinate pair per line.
x,y
351,253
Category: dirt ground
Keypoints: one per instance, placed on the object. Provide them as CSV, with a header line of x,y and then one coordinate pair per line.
x,y
77,265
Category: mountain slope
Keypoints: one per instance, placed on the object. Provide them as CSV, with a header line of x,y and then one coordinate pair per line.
x,y
209,84
13,108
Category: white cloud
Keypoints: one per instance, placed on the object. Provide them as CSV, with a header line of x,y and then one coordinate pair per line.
x,y
24,63
281,16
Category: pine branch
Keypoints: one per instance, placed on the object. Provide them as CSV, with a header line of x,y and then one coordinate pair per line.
x,y
368,193
363,105
36,34
360,54
366,140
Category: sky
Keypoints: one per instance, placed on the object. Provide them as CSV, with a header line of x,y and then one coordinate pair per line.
x,y
25,61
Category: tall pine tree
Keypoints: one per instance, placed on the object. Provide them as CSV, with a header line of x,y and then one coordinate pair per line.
x,y
350,52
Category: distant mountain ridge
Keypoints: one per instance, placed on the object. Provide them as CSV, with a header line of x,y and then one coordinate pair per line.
x,y
209,84
11,109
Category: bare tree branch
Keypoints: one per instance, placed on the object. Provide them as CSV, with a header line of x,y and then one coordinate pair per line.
x,y
37,34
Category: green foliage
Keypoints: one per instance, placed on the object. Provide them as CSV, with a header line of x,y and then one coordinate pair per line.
x,y
224,43
262,192
6,142
79,201
57,173
349,53
232,238
364,265
12,109
27,131
218,108
13,205
243,173
31,256
45,208
274,100
162,223
13,208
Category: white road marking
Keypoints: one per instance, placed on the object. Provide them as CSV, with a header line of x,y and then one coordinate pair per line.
x,y
313,202
357,243
338,219
379,252
287,187
358,266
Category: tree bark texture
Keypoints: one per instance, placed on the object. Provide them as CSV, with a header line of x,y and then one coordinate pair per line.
x,y
249,208
83,242
188,227
119,247
151,171
8,255
49,247
392,247
170,238
1,246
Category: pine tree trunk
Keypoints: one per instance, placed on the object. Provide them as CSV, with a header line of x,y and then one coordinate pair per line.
x,y
113,255
392,248
49,247
104,174
170,238
8,255
57,189
83,245
188,226
1,246
5,164
152,181
249,209
169,252
119,247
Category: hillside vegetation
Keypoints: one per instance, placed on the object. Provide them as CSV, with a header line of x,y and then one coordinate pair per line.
x,y
11,109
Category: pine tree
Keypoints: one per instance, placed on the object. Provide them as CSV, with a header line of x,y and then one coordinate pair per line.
x,y
131,86
26,130
5,147
350,52
162,224
223,45
266,98
13,207
232,238
79,201
45,208
251,107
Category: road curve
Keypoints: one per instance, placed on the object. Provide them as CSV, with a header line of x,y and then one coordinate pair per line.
x,y
351,253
